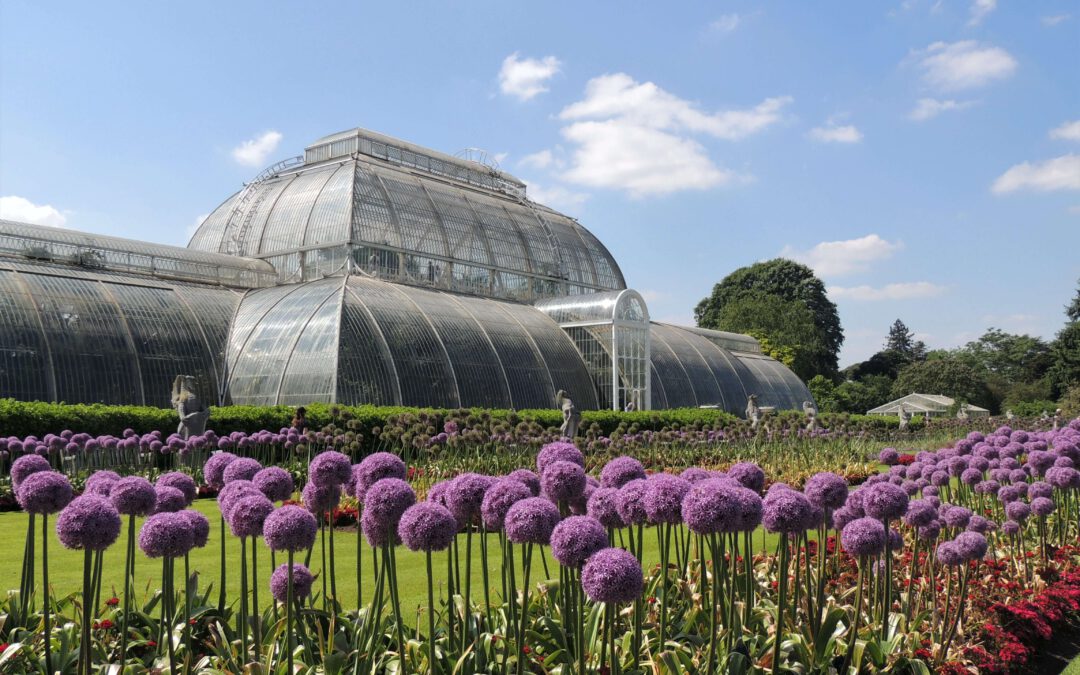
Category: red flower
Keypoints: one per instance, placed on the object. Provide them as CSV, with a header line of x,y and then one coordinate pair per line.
x,y
104,624
112,602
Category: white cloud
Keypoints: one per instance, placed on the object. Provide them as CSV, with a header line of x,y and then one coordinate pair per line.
x,y
25,211
831,133
928,108
254,152
901,291
537,160
1059,173
980,9
637,137
555,196
526,78
1055,19
964,65
726,23
1069,131
840,258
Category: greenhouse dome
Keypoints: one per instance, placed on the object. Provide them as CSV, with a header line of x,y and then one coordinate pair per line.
x,y
368,270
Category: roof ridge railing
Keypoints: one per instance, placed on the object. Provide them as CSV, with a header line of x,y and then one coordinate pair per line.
x,y
235,238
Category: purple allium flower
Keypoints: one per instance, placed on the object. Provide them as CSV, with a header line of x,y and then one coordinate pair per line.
x,y
712,506
169,500
695,474
302,581
1010,493
88,522
612,575
274,482
133,496
949,554
620,471
603,505
44,492
920,513
100,483
930,532
749,474
321,498
663,498
1063,477
1018,511
562,481
330,468
971,545
531,521
1042,506
374,468
166,535
248,514
498,499
528,478
863,536
787,511
826,490
465,496
1018,476
955,516
200,526
180,481
939,478
885,501
576,538
559,451
971,476
889,456
241,468
290,528
25,466
750,509
214,469
1010,527
630,502
427,526
387,500
979,524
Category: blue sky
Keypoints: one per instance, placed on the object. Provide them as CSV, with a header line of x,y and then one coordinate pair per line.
x,y
922,155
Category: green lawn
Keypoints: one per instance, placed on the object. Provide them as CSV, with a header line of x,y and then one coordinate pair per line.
x,y
65,567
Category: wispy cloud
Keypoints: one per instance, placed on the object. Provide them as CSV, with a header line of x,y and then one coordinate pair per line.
x,y
980,9
964,65
1068,131
1059,173
23,210
1055,19
526,78
556,196
726,23
929,108
911,290
537,160
842,258
255,151
832,133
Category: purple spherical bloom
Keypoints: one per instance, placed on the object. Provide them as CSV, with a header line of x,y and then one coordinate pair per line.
x,y
25,466
695,474
949,554
200,526
939,478
1042,506
169,500
528,479
612,575
321,498
827,490
749,474
663,498
971,545
100,483
1040,489
180,481
374,468
920,513
712,506
787,511
559,451
274,482
387,500
987,487
498,498
302,580
604,506
889,456
241,468
580,505
885,501
1063,477
630,502
427,526
330,468
44,492
562,481
1066,462
971,476
843,516
1018,476
133,496
576,538
166,535
863,536
530,521
955,516
234,491
1018,511
248,515
88,522
620,471
290,528
1010,527
750,509
930,532
979,524
465,496
214,469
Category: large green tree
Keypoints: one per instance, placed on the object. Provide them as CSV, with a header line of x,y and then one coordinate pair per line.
x,y
1064,371
781,325
787,285
945,374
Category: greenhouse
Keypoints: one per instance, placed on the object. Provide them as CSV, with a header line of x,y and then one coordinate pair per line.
x,y
368,270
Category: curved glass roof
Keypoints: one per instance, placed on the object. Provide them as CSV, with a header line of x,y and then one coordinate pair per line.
x,y
357,340
429,223
622,305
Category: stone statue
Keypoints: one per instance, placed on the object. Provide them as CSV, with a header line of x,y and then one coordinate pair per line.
x,y
571,418
193,414
1057,419
961,413
810,410
1010,415
905,417
1045,417
753,412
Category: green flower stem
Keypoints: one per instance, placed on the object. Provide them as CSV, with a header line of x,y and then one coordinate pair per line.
x,y
579,593
171,613
856,613
467,610
886,586
47,636
612,612
333,569
748,563
221,577
273,566
322,552
390,563
84,641
359,560
951,632
187,613
242,624
431,615
289,641
485,574
256,612
26,582
450,609
780,606
129,572
665,547
524,610
714,606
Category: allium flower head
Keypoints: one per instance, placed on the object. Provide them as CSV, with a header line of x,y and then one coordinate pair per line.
x,y
885,501
330,468
949,554
133,496
248,515
427,526
302,581
374,468
465,496
528,478
531,521
25,466
576,538
889,456
290,528
498,499
955,516
562,481
169,500
920,513
1042,506
321,498
827,490
786,511
863,537
1018,511
241,468
274,482
559,451
663,498
166,535
630,502
971,545
200,526
89,522
100,483
711,506
387,500
603,505
620,471
695,474
1063,477
612,575
182,482
214,469
749,474
44,492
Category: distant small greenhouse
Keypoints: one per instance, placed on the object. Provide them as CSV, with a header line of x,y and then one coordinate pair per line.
x,y
928,405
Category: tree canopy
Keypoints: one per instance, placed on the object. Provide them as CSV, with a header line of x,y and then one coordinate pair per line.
x,y
948,375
